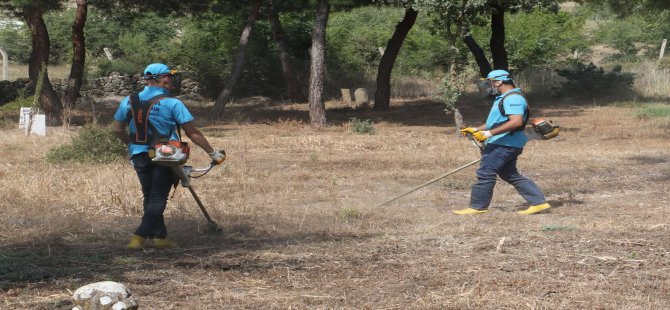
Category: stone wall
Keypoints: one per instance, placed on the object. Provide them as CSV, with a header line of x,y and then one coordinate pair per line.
x,y
9,90
113,85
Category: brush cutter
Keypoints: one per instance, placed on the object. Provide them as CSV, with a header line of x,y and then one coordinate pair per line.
x,y
168,155
474,142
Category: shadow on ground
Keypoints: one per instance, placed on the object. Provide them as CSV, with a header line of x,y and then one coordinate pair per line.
x,y
52,260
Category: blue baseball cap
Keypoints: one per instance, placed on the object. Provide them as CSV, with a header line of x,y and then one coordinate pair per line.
x,y
499,75
156,69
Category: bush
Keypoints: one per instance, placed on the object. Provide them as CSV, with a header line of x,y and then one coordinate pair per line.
x,y
361,126
536,39
122,66
591,81
449,93
93,144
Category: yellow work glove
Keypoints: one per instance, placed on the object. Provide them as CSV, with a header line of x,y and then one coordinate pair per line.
x,y
482,136
468,130
217,156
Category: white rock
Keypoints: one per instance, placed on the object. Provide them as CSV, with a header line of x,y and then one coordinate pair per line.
x,y
105,300
104,295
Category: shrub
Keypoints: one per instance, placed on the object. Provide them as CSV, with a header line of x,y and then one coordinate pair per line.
x,y
361,126
536,39
122,66
591,81
351,214
93,143
449,93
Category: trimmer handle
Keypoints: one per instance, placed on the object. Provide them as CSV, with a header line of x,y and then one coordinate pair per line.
x,y
475,142
218,162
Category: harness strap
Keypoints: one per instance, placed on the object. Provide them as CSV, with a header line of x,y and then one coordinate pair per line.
x,y
139,111
526,113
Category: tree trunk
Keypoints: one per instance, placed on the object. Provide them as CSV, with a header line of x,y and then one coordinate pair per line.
x,y
383,92
317,69
294,93
483,63
452,37
498,52
78,56
224,96
39,57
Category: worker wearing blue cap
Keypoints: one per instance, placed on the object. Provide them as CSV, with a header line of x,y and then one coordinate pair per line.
x,y
151,116
504,140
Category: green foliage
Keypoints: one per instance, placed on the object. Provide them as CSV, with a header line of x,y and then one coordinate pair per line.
x,y
122,66
633,29
654,110
536,39
450,91
590,81
93,144
9,110
15,40
361,126
354,38
622,35
59,26
207,47
22,100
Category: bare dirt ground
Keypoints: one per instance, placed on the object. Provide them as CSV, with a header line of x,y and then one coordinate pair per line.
x,y
302,228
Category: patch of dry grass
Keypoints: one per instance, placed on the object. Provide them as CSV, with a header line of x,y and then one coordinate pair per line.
x,y
16,71
302,228
651,80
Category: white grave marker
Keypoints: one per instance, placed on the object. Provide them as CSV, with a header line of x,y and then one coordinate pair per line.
x,y
32,122
39,126
24,115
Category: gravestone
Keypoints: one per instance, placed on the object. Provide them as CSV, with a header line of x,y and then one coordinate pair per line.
x,y
32,121
346,96
361,97
5,65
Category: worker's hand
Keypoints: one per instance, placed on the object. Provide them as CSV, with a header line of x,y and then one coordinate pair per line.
x,y
468,130
217,157
482,136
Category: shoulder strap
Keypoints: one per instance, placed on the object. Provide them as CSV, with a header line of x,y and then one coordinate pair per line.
x,y
140,115
526,113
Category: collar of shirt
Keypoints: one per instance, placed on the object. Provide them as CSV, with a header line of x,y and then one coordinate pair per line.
x,y
154,91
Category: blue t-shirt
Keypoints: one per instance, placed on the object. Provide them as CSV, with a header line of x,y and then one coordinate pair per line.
x,y
164,115
514,104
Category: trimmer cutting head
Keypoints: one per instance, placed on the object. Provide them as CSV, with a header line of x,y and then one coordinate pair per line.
x,y
169,155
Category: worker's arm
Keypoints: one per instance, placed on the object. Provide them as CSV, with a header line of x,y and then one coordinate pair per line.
x,y
515,122
197,137
120,131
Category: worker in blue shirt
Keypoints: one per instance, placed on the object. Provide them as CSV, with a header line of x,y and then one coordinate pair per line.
x,y
504,140
159,117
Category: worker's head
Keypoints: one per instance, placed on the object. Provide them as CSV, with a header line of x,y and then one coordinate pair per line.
x,y
494,81
158,74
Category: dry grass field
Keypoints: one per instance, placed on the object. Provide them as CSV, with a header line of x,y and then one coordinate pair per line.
x,y
302,229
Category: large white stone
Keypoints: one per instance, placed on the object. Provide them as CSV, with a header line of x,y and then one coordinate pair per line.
x,y
106,295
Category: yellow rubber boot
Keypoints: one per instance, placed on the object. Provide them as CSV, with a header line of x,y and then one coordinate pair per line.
x,y
470,211
136,242
535,209
164,243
